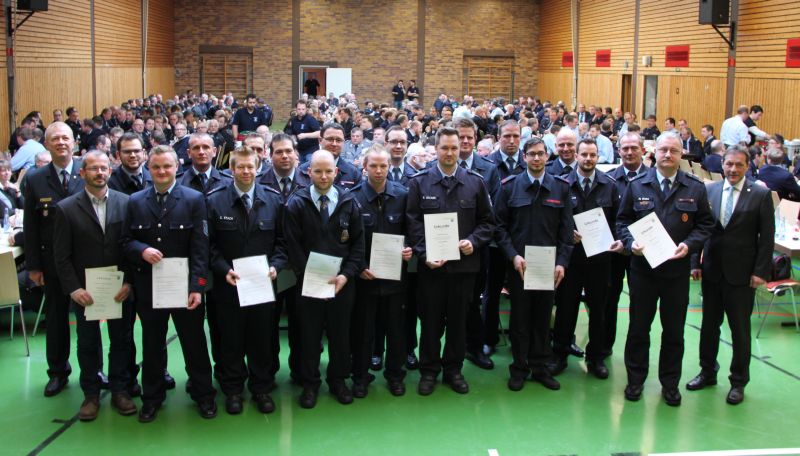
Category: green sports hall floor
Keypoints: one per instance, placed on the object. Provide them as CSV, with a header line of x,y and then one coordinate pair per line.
x,y
586,417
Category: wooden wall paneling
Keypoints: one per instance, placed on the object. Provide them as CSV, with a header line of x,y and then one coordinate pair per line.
x,y
118,33
779,100
555,86
117,84
554,34
160,47
44,89
764,27
699,100
160,80
596,34
57,37
600,89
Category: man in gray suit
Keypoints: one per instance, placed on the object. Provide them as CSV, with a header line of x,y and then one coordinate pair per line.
x,y
736,260
87,230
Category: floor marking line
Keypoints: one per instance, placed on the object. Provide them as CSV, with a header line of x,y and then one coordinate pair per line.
x,y
68,423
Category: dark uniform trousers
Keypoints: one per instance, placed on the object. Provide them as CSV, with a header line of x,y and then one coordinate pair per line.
x,y
529,327
236,232
120,333
686,216
620,265
410,317
177,230
588,274
389,310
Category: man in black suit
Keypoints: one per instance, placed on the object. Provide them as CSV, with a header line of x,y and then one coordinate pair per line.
x,y
778,178
332,139
397,144
713,161
736,260
43,188
707,133
87,231
169,221
131,175
692,149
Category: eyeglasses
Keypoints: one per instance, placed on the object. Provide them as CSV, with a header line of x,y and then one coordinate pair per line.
x,y
536,154
334,140
95,169
398,142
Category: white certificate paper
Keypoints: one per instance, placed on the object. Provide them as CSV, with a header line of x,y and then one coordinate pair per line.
x,y
320,269
540,267
386,256
103,284
171,283
254,285
595,233
441,237
649,233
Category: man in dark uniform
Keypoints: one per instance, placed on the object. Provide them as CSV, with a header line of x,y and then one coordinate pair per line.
x,y
631,153
286,179
323,218
201,176
589,189
533,209
399,170
169,221
42,189
248,118
87,231
244,220
305,129
565,148
382,204
736,260
347,175
446,287
681,204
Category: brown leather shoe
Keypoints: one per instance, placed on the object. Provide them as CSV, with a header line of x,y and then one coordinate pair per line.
x,y
123,403
89,408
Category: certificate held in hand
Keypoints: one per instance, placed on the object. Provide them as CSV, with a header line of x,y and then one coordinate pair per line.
x,y
386,256
540,265
103,284
595,234
320,270
441,237
254,285
650,234
171,283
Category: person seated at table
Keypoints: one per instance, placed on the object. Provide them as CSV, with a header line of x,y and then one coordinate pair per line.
x,y
10,196
778,178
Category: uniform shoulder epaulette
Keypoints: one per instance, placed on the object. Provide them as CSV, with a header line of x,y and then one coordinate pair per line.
x,y
270,189
508,179
563,178
610,177
694,177
358,186
638,176
472,171
420,173
216,190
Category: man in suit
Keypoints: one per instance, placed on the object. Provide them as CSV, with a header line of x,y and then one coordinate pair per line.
x,y
692,148
397,144
43,188
244,220
707,133
131,175
87,230
169,221
332,140
778,178
324,218
679,200
285,178
713,161
736,260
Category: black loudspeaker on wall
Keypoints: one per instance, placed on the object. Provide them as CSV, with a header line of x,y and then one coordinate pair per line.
x,y
714,12
32,5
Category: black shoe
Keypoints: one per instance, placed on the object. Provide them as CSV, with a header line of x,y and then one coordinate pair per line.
x,y
264,403
671,396
633,392
148,412
208,408
480,359
397,388
458,383
168,380
342,393
700,382
557,365
55,385
188,386
546,379
308,398
103,380
376,363
575,350
412,363
360,389
598,369
135,390
233,404
735,395
426,385
516,383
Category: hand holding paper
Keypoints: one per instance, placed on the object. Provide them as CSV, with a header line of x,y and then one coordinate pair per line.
x,y
653,241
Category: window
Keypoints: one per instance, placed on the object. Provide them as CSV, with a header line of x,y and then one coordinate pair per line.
x,y
677,56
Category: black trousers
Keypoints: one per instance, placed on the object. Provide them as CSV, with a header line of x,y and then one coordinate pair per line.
x,y
212,316
390,310
620,265
593,278
245,332
646,291
410,319
190,327
286,300
120,335
445,298
333,316
722,299
57,316
529,327
498,266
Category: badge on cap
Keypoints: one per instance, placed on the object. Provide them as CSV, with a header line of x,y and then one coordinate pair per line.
x,y
684,217
345,235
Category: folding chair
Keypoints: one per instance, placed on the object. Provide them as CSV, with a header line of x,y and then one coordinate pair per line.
x,y
9,294
780,288
38,317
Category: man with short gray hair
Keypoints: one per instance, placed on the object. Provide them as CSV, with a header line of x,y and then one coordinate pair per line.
x,y
778,178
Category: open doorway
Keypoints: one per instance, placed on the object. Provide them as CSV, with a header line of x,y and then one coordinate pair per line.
x,y
625,102
650,95
312,80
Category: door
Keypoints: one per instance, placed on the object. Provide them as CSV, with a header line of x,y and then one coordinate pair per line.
x,y
311,73
650,95
223,73
625,103
488,77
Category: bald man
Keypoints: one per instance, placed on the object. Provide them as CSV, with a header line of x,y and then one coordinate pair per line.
x,y
566,143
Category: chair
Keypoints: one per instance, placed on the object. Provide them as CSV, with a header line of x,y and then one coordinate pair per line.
x,y
9,294
780,288
38,317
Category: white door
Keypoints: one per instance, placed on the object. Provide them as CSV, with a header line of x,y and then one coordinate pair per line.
x,y
339,80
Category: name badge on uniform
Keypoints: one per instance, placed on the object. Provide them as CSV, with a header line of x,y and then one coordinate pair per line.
x,y
686,200
345,236
644,201
426,197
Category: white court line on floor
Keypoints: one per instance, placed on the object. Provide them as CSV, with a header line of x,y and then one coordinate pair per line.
x,y
493,452
765,452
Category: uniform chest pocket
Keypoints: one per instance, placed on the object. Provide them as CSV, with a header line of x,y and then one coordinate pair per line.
x,y
368,219
604,202
429,204
394,218
266,224
643,205
180,226
686,206
467,204
140,226
519,202
225,225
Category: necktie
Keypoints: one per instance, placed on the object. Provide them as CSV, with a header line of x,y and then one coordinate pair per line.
x,y
449,182
463,164
510,162
396,174
162,198
203,181
586,185
246,202
137,179
566,170
535,188
728,211
65,179
665,185
631,174
323,209
286,187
